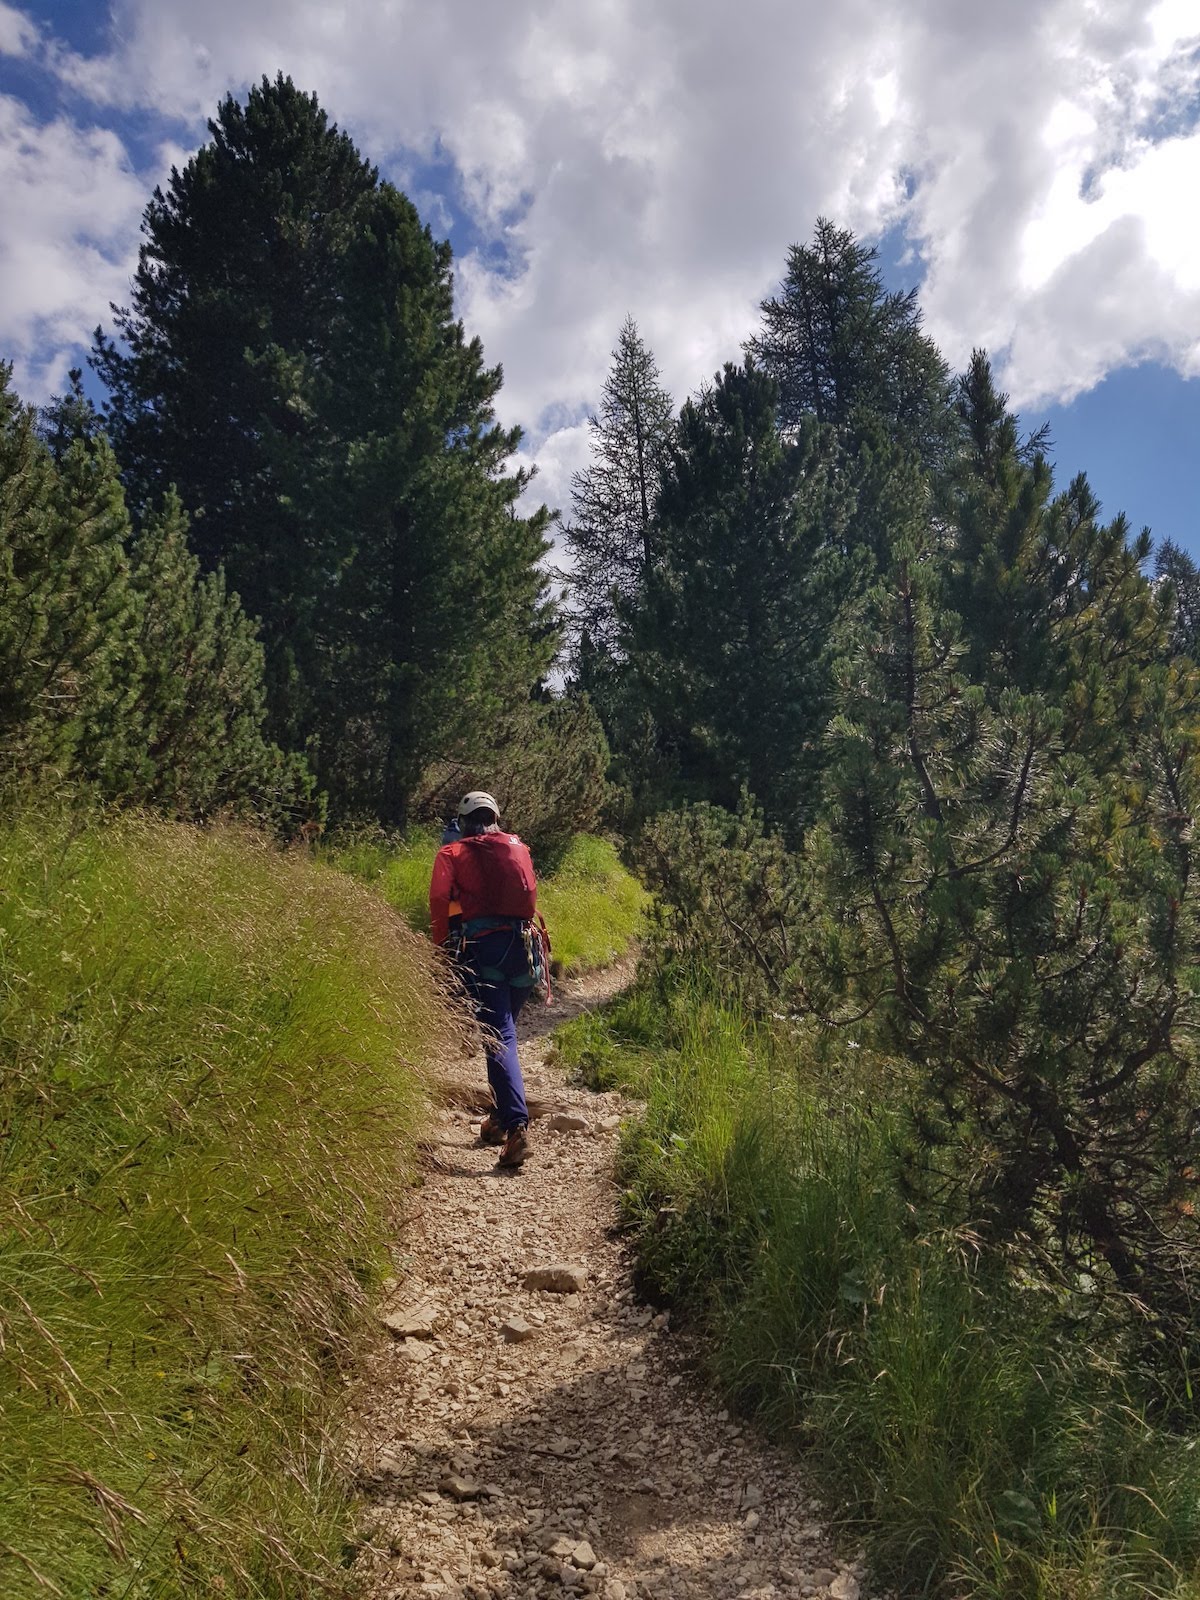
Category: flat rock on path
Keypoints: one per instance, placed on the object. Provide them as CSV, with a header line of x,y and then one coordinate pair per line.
x,y
558,1443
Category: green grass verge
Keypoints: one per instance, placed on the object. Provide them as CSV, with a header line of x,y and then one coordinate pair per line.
x,y
593,907
210,1073
982,1449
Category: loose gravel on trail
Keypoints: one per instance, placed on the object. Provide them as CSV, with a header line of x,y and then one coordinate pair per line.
x,y
527,1426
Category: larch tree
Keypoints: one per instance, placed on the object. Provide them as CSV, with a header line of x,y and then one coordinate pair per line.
x,y
1179,572
849,354
843,347
65,601
123,671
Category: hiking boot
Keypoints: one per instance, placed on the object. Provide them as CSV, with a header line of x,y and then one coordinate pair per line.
x,y
516,1146
490,1131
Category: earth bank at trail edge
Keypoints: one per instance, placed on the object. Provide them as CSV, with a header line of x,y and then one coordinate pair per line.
x,y
524,1441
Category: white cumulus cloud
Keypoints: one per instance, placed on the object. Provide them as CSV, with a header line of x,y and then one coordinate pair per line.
x,y
618,157
69,239
18,36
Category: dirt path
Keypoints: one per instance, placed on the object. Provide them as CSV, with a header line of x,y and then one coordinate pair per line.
x,y
530,1441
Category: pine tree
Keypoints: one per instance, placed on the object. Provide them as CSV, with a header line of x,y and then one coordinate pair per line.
x,y
195,743
1176,569
733,640
291,363
614,497
844,349
1011,896
64,597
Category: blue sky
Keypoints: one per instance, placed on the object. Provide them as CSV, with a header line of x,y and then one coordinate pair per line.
x,y
1137,436
1033,167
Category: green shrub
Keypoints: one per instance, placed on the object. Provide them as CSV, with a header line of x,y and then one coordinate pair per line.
x,y
545,761
980,1447
210,1072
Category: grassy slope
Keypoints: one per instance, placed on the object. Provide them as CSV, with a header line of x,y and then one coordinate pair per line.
x,y
593,907
209,1074
982,1451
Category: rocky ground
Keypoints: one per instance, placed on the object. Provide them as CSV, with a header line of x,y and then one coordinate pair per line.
x,y
529,1428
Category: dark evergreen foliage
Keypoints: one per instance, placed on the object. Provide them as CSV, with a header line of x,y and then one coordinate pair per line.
x,y
121,668
546,762
1009,881
733,640
291,364
613,499
1177,570
846,350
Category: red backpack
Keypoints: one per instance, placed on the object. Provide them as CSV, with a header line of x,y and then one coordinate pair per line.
x,y
507,872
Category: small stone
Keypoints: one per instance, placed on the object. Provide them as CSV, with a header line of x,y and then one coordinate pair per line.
x,y
614,1589
844,1587
752,1496
823,1577
567,1122
416,1349
459,1488
516,1330
559,1277
427,1497
609,1124
751,1521
584,1556
416,1321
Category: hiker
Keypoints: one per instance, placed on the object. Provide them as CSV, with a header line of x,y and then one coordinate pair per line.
x,y
490,875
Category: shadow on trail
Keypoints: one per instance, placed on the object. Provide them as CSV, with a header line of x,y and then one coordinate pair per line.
x,y
648,1497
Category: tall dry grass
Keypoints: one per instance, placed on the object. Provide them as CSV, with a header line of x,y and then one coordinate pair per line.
x,y
211,1062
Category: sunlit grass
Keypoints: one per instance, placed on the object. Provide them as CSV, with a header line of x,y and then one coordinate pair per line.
x,y
210,1071
594,908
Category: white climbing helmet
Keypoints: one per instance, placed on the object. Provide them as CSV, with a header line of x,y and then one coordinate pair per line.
x,y
478,800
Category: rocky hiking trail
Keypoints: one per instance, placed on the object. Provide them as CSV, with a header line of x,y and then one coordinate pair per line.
x,y
527,1427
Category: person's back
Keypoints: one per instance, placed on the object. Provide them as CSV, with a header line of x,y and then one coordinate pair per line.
x,y
489,874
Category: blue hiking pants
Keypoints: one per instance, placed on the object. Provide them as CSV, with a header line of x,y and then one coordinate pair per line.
x,y
497,979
